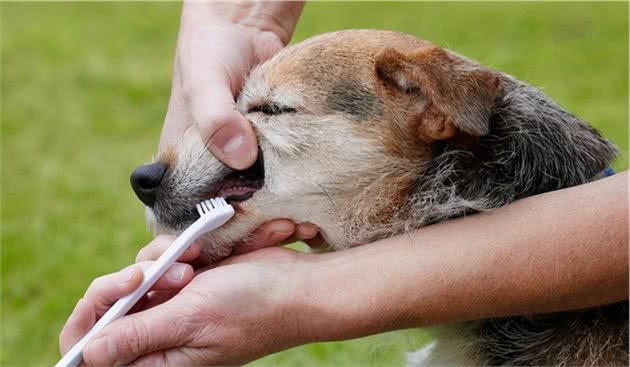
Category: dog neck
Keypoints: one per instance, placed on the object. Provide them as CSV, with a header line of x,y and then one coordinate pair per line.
x,y
533,146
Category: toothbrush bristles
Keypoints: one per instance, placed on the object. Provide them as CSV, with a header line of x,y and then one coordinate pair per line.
x,y
207,206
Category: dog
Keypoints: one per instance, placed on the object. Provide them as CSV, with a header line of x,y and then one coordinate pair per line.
x,y
369,134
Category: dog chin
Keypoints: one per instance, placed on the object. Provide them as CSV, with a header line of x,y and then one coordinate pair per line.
x,y
218,244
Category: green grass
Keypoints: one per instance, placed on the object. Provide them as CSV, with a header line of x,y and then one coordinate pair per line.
x,y
84,92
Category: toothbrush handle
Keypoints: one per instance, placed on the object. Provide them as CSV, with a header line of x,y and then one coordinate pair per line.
x,y
122,306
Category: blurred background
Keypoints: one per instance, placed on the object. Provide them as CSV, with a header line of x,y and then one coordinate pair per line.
x,y
84,93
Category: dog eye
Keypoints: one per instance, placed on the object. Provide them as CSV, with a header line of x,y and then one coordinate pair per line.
x,y
271,109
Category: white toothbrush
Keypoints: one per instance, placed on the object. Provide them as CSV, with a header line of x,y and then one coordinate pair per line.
x,y
213,214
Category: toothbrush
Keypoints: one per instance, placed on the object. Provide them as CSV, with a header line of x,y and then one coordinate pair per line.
x,y
213,214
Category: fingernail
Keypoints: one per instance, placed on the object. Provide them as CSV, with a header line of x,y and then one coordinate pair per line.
x,y
276,237
232,147
102,346
231,141
309,231
176,272
282,227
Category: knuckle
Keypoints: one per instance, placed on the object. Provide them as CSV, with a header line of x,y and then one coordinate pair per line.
x,y
160,242
154,248
189,86
142,254
135,337
96,285
212,119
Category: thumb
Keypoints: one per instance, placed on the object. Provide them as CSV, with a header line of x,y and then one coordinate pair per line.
x,y
135,335
229,135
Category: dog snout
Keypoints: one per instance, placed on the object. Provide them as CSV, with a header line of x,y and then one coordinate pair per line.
x,y
145,181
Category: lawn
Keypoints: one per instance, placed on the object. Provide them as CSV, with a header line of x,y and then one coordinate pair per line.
x,y
84,92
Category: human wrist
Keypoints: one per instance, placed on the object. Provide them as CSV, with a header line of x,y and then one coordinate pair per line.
x,y
396,283
344,295
472,268
279,18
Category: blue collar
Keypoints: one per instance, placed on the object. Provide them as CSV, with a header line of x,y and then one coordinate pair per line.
x,y
608,172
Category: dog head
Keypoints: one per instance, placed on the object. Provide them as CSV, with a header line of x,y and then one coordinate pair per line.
x,y
363,133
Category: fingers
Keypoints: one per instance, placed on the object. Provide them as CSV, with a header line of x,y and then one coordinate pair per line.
x,y
316,242
170,357
229,135
269,234
178,117
278,232
211,84
160,243
268,44
152,299
267,255
106,290
175,278
100,295
306,232
77,325
203,92
273,233
138,334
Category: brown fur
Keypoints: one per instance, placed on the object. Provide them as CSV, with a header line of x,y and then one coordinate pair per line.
x,y
168,156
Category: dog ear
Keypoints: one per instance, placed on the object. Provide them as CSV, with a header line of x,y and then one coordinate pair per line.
x,y
455,94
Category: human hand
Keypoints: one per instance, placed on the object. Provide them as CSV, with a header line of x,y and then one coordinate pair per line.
x,y
104,291
231,314
218,44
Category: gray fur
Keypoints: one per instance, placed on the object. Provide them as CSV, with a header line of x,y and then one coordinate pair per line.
x,y
533,146
187,183
350,97
592,337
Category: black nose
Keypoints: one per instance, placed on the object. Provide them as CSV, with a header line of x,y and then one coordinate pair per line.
x,y
146,179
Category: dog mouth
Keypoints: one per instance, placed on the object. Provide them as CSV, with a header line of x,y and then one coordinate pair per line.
x,y
236,187
240,186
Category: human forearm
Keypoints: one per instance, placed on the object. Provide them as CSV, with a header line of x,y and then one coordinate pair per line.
x,y
558,251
